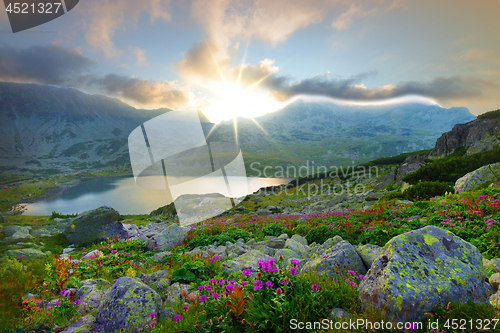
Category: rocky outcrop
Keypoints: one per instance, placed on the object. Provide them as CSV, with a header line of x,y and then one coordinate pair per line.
x,y
336,260
487,174
171,236
475,136
421,270
95,225
129,304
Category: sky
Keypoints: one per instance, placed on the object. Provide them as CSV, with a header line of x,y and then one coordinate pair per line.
x,y
250,57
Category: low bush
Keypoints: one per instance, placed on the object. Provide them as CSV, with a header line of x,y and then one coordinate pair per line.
x,y
427,190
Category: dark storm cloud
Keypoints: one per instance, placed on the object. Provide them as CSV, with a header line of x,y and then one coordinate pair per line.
x,y
50,64
352,89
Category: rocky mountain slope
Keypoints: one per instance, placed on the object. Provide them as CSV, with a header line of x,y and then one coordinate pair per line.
x,y
475,136
45,127
50,129
329,134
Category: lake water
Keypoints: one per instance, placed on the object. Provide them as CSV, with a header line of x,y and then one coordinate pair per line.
x,y
126,197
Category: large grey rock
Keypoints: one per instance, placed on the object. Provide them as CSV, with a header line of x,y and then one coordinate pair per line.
x,y
171,236
161,255
246,261
422,269
128,305
484,175
337,260
30,253
369,253
90,297
84,325
131,230
12,229
19,236
295,246
95,225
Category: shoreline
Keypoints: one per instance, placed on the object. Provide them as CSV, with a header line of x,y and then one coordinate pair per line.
x,y
54,192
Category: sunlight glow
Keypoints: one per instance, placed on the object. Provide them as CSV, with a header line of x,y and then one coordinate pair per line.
x,y
234,101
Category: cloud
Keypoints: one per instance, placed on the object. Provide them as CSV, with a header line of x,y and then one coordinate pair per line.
x,y
144,92
203,61
51,64
140,55
209,61
56,65
344,21
443,89
270,21
475,55
102,19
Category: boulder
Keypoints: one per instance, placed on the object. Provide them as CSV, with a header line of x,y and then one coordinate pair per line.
x,y
299,248
337,260
128,306
495,301
171,236
90,297
12,229
174,291
246,261
484,175
95,225
339,313
92,254
368,253
495,281
30,253
161,255
328,244
19,236
84,325
219,250
423,269
153,277
131,230
300,239
287,254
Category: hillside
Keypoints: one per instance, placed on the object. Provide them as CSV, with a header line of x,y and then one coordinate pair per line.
x,y
45,129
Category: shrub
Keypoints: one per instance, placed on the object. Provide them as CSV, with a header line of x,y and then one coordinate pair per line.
x,y
275,229
450,168
231,235
426,190
56,215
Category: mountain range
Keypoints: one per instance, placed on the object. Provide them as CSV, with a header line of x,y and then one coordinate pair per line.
x,y
49,129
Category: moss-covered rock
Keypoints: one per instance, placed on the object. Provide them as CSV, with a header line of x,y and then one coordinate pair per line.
x,y
299,248
171,236
423,269
95,225
369,253
84,325
484,175
287,254
29,253
336,260
247,260
495,281
128,305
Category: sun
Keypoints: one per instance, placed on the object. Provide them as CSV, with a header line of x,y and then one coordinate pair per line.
x,y
233,100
